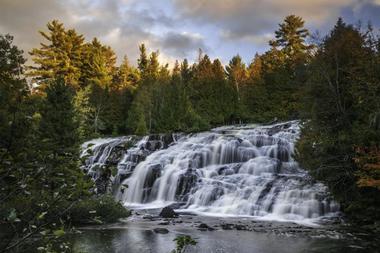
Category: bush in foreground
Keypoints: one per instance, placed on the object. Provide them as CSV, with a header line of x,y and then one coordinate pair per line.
x,y
98,210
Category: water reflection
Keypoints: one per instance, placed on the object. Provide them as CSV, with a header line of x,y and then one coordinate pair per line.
x,y
135,240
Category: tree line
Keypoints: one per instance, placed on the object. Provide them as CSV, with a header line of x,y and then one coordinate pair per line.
x,y
151,97
332,84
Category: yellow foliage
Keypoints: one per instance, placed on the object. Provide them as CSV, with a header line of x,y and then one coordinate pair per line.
x,y
367,160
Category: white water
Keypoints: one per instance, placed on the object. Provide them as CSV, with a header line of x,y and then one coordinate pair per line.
x,y
230,171
101,150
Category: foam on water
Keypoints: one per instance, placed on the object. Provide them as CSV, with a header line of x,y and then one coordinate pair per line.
x,y
231,171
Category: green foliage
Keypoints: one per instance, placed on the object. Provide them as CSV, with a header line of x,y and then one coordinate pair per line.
x,y
182,242
141,128
61,56
85,113
39,170
57,127
275,82
14,120
98,64
338,138
97,209
291,37
143,60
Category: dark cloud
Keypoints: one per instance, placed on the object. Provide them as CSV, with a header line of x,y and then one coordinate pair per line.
x,y
115,22
23,19
242,19
176,27
365,11
180,44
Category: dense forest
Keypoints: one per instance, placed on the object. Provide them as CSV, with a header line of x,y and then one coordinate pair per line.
x,y
74,91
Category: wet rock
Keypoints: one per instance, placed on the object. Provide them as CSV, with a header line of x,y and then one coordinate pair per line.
x,y
153,173
205,227
147,217
102,183
185,183
168,212
115,155
241,227
161,230
177,205
227,226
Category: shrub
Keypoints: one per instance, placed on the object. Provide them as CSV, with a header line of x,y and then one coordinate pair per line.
x,y
98,210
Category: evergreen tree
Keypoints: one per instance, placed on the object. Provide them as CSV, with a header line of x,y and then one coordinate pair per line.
x,y
127,77
61,56
153,67
98,64
255,70
85,113
185,72
142,62
13,92
291,38
57,119
338,144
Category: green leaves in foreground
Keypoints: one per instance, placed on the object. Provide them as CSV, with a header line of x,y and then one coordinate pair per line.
x,y
182,241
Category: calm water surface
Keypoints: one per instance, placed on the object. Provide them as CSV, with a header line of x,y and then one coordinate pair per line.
x,y
140,238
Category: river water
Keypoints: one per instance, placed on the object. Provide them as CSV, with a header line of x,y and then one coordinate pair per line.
x,y
137,235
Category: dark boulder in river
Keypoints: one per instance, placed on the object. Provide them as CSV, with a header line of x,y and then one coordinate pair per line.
x,y
168,212
161,230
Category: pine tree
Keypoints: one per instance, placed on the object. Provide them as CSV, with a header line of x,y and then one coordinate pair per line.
x,y
255,70
61,56
153,67
142,62
98,64
13,92
57,126
185,72
291,38
85,113
338,144
127,77
59,146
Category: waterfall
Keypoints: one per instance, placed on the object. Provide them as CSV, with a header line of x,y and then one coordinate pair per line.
x,y
228,171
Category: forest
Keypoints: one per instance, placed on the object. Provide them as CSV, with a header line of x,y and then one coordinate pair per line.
x,y
73,90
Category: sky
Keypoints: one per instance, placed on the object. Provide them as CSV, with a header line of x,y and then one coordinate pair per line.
x,y
178,28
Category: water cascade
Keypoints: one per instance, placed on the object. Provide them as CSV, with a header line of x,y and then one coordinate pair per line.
x,y
229,171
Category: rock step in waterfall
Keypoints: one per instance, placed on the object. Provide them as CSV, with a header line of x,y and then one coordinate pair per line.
x,y
228,171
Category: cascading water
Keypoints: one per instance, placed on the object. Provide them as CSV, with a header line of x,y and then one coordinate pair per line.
x,y
121,154
246,171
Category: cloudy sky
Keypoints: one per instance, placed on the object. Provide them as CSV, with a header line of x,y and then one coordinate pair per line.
x,y
177,28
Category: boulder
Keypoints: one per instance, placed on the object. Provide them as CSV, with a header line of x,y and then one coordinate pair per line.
x,y
168,212
147,217
204,227
177,205
241,227
185,183
227,226
161,230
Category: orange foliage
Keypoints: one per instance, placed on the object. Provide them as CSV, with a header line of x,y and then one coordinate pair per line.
x,y
367,160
